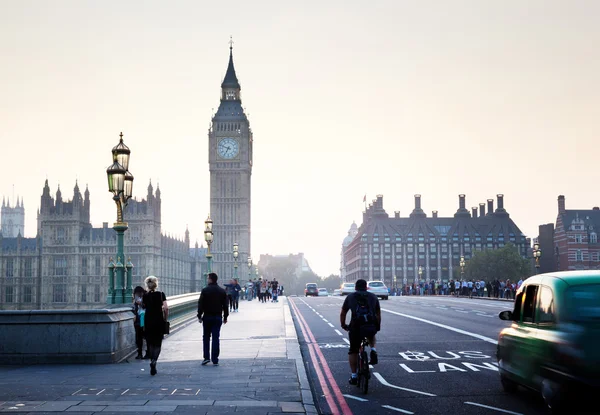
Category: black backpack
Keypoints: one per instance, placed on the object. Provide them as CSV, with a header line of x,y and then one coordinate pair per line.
x,y
364,314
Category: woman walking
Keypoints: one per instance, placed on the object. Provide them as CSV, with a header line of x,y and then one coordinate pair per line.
x,y
138,294
157,312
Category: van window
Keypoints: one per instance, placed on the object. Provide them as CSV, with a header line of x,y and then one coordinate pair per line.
x,y
376,284
583,303
545,312
529,303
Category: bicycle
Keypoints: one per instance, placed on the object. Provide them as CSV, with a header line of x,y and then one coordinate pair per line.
x,y
364,372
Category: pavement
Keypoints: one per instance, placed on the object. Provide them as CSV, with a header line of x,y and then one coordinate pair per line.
x,y
437,355
260,372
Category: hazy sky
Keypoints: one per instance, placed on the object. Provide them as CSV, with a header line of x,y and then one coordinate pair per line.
x,y
345,98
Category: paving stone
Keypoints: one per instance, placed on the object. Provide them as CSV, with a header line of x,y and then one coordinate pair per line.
x,y
291,407
246,403
92,408
142,409
56,406
113,403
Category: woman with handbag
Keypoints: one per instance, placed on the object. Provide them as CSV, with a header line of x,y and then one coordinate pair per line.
x,y
155,320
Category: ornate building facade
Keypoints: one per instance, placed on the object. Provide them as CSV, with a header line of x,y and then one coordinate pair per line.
x,y
352,232
13,219
387,246
576,244
65,266
230,163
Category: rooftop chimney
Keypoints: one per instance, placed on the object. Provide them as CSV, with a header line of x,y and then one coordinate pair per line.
x,y
490,207
561,205
434,214
418,212
596,208
500,211
474,211
462,212
481,210
397,214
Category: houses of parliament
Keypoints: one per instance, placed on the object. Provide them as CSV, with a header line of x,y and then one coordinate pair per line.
x,y
66,265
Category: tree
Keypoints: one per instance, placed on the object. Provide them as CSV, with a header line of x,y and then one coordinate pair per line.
x,y
503,263
331,283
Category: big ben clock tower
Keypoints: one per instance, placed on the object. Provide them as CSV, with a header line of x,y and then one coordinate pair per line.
x,y
230,164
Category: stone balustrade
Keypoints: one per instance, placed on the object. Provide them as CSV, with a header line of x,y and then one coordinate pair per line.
x,y
78,336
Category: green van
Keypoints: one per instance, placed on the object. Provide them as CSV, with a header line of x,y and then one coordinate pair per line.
x,y
553,343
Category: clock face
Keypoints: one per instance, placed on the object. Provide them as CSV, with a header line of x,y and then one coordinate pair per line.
x,y
228,148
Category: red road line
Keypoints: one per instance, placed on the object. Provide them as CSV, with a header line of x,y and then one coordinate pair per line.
x,y
336,390
328,395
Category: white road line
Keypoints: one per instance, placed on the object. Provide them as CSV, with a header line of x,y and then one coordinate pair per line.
x,y
393,408
493,408
386,383
484,315
461,311
331,324
356,397
442,308
325,321
346,340
422,320
339,332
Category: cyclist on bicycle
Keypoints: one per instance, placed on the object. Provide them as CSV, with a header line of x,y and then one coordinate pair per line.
x,y
364,322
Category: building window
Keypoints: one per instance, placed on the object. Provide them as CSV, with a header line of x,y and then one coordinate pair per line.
x,y
59,293
9,292
593,238
84,294
9,268
28,267
84,265
60,266
98,267
578,239
578,255
27,294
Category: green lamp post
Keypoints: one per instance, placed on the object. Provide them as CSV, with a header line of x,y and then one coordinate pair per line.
x,y
120,184
235,259
537,254
420,273
208,237
462,264
249,268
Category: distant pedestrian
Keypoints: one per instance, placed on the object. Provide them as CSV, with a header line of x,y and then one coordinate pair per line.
x,y
138,322
157,312
212,313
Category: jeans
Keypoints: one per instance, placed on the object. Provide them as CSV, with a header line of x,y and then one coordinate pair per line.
x,y
212,327
236,301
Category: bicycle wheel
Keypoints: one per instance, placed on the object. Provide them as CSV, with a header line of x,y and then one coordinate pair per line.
x,y
364,372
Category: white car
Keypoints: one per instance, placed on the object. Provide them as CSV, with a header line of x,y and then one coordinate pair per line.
x,y
323,292
337,292
378,288
347,288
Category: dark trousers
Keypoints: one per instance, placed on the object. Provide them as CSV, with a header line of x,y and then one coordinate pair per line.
x,y
212,327
139,339
236,301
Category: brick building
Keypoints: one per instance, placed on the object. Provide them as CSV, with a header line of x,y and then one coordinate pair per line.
x,y
387,246
576,244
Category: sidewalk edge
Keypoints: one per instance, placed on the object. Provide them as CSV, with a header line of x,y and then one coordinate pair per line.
x,y
293,352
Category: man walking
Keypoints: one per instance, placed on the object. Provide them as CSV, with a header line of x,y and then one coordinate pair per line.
x,y
212,313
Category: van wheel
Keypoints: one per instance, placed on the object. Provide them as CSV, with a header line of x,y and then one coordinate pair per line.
x,y
508,385
385,298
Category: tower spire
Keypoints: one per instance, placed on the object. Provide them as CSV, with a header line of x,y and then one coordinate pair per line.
x,y
230,81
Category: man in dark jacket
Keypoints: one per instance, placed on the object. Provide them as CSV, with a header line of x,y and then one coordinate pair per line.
x,y
212,313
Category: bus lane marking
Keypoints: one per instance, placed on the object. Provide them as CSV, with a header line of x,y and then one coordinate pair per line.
x,y
443,326
493,408
393,408
389,385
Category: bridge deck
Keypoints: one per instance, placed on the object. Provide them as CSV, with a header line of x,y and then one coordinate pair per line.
x,y
260,372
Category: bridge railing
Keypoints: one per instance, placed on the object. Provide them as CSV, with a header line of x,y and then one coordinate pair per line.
x,y
78,336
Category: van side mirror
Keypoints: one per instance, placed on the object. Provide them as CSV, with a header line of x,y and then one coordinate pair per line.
x,y
506,315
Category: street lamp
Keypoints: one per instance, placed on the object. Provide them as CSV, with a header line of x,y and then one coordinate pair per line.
x,y
120,184
208,237
462,267
235,258
420,272
395,284
537,254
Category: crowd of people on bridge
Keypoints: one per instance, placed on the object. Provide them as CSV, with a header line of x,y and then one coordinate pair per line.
x,y
462,288
263,290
